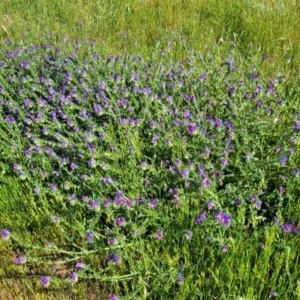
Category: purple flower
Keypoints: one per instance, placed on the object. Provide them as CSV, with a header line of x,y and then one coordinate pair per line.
x,y
215,172
253,76
261,245
97,108
224,162
92,163
258,204
106,202
120,221
252,198
20,260
180,278
73,166
270,89
280,189
202,77
226,151
159,235
122,121
237,201
112,240
84,198
153,203
131,150
191,128
26,102
27,152
84,176
53,186
187,114
95,205
223,217
218,123
113,257
118,260
55,173
89,235
10,119
200,218
295,172
36,189
172,169
230,91
73,278
143,164
210,204
79,265
258,103
113,297
277,148
45,281
177,161
22,174
128,203
273,294
119,198
169,98
289,228
5,234
17,167
225,248
283,159
51,153
206,182
189,234
184,173
297,125
55,219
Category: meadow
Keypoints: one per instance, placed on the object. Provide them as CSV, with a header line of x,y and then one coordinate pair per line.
x,y
149,150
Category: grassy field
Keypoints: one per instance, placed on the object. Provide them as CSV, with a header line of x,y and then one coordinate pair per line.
x,y
159,162
270,24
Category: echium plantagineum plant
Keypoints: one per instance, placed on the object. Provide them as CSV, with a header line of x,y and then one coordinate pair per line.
x,y
123,152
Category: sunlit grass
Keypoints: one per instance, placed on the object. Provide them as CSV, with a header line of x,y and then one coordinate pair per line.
x,y
272,25
165,173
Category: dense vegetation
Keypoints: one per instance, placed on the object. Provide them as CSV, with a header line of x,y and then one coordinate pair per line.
x,y
145,170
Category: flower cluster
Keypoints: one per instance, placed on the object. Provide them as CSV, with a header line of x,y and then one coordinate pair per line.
x,y
126,153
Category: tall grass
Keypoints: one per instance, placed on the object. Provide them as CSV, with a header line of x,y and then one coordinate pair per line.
x,y
271,24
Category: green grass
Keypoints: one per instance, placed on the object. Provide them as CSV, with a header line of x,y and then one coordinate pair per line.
x,y
262,256
272,25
